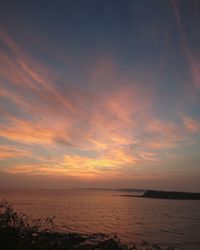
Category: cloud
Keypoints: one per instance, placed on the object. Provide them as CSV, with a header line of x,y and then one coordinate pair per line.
x,y
149,156
191,57
7,151
80,133
194,62
191,125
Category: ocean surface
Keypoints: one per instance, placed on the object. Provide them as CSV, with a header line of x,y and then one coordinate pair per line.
x,y
166,222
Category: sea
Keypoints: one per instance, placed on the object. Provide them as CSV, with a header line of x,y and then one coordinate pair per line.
x,y
173,223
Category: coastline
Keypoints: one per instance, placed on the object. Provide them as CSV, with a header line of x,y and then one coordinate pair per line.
x,y
19,232
151,194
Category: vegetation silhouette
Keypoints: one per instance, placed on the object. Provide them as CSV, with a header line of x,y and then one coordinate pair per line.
x,y
20,232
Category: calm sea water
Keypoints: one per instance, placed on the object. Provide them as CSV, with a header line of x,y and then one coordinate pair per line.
x,y
166,222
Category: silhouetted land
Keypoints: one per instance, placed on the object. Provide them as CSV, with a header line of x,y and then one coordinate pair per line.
x,y
112,189
130,190
168,195
17,232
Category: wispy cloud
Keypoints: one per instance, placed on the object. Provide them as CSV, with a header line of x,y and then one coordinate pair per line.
x,y
192,59
90,131
7,151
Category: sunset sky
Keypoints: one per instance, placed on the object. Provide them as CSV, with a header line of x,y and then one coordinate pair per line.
x,y
100,93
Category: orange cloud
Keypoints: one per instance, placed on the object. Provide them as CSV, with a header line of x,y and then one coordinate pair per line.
x,y
25,131
108,160
89,133
19,169
11,152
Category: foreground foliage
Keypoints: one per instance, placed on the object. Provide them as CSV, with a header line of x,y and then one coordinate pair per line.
x,y
20,232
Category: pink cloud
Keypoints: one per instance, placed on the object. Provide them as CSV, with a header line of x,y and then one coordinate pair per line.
x,y
112,130
7,152
191,125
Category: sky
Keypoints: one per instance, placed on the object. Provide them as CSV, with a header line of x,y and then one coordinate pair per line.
x,y
100,93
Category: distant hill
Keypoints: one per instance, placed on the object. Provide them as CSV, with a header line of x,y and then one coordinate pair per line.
x,y
113,189
131,190
171,195
168,195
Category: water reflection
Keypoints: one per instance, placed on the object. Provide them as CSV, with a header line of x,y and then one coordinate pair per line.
x,y
133,219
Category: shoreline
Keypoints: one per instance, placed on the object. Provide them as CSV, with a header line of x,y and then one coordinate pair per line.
x,y
151,194
20,232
